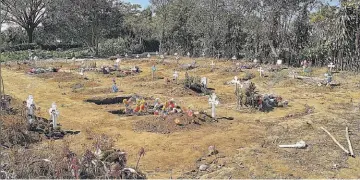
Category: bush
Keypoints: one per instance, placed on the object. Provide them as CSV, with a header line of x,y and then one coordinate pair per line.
x,y
63,46
20,47
112,47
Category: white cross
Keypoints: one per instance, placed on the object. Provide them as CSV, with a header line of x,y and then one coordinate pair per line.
x,y
82,71
126,55
213,102
234,58
176,75
212,65
204,81
54,113
261,71
331,65
203,54
148,55
188,54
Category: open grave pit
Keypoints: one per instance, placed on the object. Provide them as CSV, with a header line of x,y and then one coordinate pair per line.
x,y
113,100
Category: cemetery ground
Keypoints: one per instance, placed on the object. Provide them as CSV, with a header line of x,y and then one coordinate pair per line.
x,y
248,145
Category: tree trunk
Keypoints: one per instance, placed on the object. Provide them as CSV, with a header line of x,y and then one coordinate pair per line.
x,y
30,33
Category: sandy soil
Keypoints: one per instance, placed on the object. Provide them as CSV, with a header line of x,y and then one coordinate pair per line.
x,y
248,144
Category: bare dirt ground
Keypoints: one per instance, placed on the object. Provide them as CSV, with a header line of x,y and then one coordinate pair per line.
x,y
247,145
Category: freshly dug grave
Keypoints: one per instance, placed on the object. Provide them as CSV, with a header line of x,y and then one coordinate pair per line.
x,y
107,101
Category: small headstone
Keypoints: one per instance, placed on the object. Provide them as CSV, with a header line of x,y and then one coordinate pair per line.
x,y
126,55
137,56
175,54
188,54
234,58
256,61
148,55
203,54
203,167
279,62
157,53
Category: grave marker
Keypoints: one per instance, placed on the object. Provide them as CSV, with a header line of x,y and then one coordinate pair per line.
x,y
212,65
126,55
54,114
176,75
279,62
188,54
204,81
148,55
153,70
331,66
157,53
218,55
137,56
30,109
213,101
256,61
81,71
203,54
261,71
234,58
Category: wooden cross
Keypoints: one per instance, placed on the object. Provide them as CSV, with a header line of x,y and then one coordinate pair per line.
x,y
331,66
213,101
261,71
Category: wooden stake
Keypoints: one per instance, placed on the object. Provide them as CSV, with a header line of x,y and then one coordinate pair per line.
x,y
349,143
333,138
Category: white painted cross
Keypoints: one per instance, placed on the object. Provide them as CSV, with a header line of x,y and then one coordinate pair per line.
x,y
331,66
235,80
30,108
204,81
148,55
54,113
118,61
213,101
176,75
212,65
203,54
261,71
81,71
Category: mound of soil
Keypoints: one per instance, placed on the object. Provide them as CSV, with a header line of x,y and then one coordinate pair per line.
x,y
181,91
167,125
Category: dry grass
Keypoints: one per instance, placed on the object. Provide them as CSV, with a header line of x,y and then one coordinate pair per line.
x,y
251,139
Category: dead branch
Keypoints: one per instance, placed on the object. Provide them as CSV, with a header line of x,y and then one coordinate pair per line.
x,y
349,142
333,138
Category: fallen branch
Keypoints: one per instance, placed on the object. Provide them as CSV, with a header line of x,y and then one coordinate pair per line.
x,y
333,138
349,143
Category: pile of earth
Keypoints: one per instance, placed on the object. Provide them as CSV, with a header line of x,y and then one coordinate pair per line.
x,y
171,123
